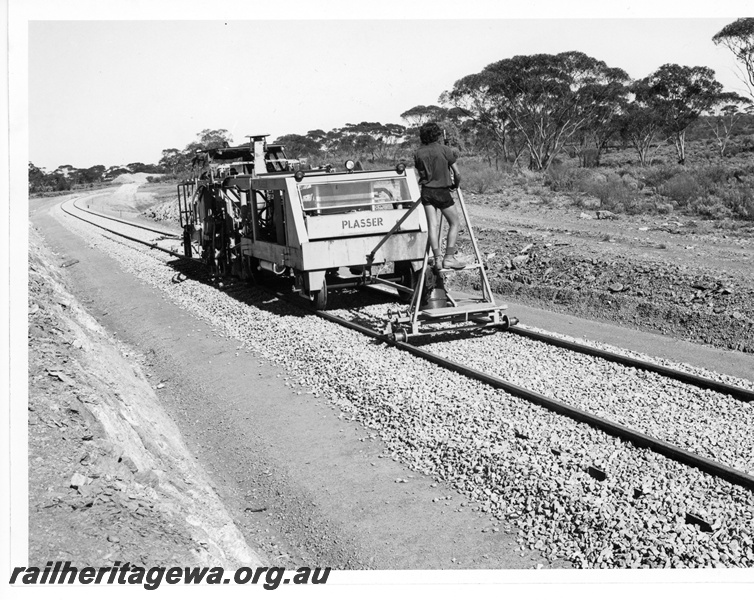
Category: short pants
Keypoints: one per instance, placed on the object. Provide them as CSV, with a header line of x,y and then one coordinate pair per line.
x,y
437,197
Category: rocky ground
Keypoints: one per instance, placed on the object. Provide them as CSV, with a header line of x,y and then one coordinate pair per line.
x,y
675,275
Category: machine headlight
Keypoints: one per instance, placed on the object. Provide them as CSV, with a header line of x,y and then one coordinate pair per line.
x,y
400,168
298,175
350,165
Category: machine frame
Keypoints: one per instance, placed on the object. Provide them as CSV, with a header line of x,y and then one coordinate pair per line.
x,y
244,219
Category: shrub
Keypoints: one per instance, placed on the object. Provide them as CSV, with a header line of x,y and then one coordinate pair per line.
x,y
712,177
637,205
747,143
713,208
480,177
613,194
560,177
681,188
740,201
655,177
483,180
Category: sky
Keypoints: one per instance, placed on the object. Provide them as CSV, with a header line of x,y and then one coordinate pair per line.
x,y
114,91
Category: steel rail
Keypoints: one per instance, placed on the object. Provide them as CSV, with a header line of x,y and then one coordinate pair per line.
x,y
637,438
100,215
696,380
118,233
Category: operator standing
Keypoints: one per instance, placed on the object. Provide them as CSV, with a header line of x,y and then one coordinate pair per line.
x,y
434,162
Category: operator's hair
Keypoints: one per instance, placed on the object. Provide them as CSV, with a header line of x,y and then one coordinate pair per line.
x,y
430,132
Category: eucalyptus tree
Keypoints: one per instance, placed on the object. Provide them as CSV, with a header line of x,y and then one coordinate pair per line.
x,y
738,37
420,114
724,115
297,145
209,138
173,161
609,101
679,95
638,124
37,178
478,109
545,98
317,136
373,138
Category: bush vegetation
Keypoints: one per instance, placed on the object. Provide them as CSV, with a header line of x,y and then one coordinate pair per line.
x,y
481,177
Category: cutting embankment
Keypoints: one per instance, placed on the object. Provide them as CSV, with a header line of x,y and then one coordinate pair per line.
x,y
110,476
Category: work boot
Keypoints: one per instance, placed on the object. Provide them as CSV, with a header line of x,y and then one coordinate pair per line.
x,y
435,263
450,262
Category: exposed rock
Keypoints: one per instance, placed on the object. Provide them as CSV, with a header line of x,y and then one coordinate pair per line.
x,y
78,480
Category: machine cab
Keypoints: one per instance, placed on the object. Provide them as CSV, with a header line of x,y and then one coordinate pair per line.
x,y
316,223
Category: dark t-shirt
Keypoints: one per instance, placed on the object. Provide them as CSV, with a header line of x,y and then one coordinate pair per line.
x,y
432,162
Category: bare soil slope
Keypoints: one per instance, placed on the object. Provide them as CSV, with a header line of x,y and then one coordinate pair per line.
x,y
109,475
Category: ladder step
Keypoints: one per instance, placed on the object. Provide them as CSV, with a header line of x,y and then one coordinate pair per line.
x,y
466,268
466,309
467,301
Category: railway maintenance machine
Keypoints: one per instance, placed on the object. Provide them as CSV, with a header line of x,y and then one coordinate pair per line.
x,y
250,210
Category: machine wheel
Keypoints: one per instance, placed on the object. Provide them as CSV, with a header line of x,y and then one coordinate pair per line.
x,y
243,267
400,335
187,242
319,300
405,270
256,274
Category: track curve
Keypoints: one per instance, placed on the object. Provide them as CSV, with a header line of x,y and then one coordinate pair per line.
x,y
628,434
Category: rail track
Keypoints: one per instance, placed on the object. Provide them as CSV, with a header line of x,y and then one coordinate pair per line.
x,y
635,437
94,216
532,458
